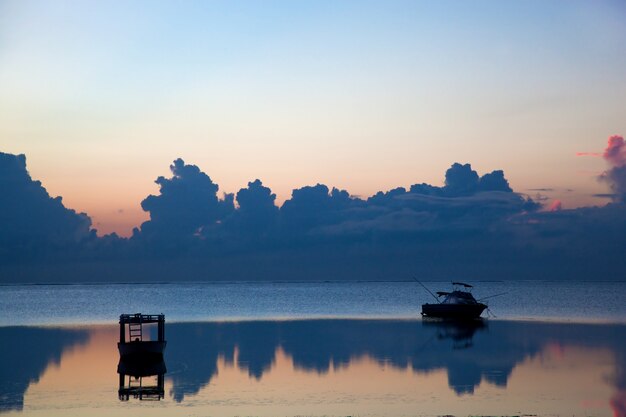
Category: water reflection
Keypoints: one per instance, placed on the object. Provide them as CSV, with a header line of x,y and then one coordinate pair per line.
x,y
319,345
438,367
25,353
460,332
141,379
469,353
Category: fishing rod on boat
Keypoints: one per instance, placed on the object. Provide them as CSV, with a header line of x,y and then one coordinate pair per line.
x,y
429,292
491,296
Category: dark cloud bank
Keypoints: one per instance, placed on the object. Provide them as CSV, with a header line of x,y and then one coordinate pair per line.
x,y
475,227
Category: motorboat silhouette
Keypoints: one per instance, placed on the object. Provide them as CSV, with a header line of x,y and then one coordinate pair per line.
x,y
458,304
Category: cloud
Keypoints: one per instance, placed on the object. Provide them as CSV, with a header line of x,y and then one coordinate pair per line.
x,y
29,217
313,206
257,213
615,154
494,181
187,203
618,404
556,205
473,226
467,201
616,178
386,198
461,179
588,154
256,199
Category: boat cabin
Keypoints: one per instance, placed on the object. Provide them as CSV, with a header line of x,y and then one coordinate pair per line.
x,y
458,297
460,294
135,335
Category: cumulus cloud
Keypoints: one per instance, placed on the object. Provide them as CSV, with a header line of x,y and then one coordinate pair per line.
x,y
29,217
615,154
615,177
494,181
186,204
312,206
256,198
466,201
187,211
386,198
257,212
461,179
473,225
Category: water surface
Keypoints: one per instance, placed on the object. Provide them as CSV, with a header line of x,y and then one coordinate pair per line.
x,y
318,349
326,367
85,304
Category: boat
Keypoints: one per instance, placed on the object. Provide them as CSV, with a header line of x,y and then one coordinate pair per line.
x,y
137,345
458,304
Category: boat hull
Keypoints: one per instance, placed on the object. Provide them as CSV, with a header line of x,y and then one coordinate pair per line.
x,y
141,349
453,311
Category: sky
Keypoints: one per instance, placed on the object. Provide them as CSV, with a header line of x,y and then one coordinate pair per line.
x,y
101,97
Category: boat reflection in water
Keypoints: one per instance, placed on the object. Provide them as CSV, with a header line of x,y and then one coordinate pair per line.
x,y
461,332
143,380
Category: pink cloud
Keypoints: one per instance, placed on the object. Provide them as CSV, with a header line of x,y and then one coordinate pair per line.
x,y
615,155
556,205
618,404
615,152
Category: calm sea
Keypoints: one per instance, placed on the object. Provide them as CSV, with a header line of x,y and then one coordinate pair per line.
x,y
191,302
347,349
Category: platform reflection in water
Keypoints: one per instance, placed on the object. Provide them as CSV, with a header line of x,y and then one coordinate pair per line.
x,y
141,379
326,367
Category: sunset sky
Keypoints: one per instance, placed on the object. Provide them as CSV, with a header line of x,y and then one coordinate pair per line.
x,y
101,97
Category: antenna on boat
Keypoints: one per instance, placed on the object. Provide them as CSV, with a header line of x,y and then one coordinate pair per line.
x,y
429,292
491,296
